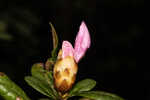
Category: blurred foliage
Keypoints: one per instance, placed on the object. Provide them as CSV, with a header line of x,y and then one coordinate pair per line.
x,y
18,21
3,34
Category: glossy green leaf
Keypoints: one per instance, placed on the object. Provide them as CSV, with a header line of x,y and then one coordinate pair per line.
x,y
84,85
44,77
7,93
99,95
55,42
9,90
40,86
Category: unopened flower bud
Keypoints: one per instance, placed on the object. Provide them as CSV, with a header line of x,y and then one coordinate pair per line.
x,y
65,69
65,73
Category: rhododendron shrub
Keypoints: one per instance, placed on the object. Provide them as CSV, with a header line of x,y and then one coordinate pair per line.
x,y
56,77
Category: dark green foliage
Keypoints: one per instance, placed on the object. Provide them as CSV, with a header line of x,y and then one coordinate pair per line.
x,y
9,90
42,81
84,85
99,95
39,85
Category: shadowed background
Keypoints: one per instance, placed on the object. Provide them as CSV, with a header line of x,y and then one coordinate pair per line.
x,y
116,28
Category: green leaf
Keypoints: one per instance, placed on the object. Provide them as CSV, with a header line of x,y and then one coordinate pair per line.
x,y
55,42
38,71
49,76
99,95
44,77
40,86
55,37
84,85
7,93
9,90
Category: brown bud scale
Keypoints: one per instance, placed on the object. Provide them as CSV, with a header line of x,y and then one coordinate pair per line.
x,y
65,71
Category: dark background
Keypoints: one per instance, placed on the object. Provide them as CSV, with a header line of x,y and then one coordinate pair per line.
x,y
116,28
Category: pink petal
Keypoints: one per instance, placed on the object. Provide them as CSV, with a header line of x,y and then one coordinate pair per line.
x,y
67,49
82,42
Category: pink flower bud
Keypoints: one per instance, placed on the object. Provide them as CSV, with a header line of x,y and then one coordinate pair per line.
x,y
67,49
65,68
82,42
